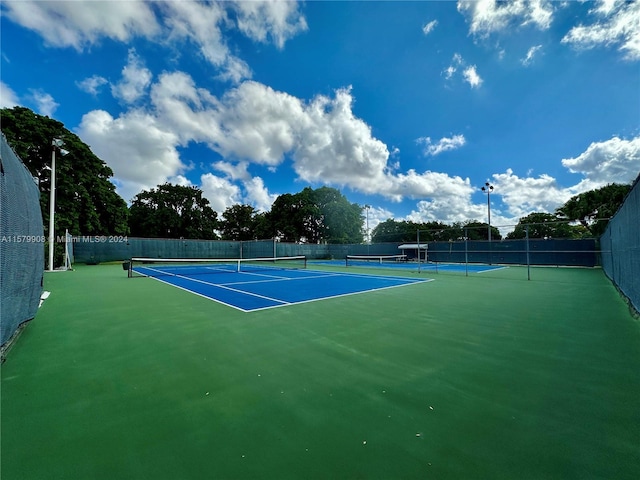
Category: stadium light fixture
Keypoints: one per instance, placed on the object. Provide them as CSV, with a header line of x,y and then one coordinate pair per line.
x,y
488,188
56,144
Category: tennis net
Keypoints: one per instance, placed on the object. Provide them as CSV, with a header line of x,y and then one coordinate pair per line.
x,y
159,267
372,260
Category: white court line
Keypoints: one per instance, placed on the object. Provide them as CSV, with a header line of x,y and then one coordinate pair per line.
x,y
341,295
406,280
491,269
229,288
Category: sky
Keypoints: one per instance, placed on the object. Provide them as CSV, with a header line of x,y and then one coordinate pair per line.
x,y
408,108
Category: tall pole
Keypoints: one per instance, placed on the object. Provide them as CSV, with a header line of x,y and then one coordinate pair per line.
x,y
52,204
488,188
56,143
367,207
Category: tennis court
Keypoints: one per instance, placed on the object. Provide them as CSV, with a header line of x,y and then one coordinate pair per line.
x,y
479,377
256,284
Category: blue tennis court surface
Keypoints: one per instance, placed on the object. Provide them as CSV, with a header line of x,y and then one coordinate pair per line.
x,y
258,290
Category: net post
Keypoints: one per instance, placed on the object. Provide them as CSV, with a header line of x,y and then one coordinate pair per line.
x,y
130,269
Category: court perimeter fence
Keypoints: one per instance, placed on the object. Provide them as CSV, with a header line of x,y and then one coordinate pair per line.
x,y
21,252
620,246
549,252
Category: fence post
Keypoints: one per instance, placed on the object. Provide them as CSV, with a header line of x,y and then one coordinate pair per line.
x,y
466,254
526,230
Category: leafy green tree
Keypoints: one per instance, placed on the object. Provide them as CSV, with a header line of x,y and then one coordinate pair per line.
x,y
594,208
543,225
240,223
395,231
173,211
296,217
86,200
478,231
314,216
341,221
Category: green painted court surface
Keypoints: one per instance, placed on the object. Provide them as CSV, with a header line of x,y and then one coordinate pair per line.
x,y
461,378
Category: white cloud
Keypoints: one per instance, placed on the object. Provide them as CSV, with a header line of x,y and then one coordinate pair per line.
x,y
141,153
612,161
277,20
237,171
491,16
254,124
525,195
617,24
333,146
45,103
92,85
443,145
531,53
471,76
220,192
8,97
425,185
81,24
428,28
258,195
136,78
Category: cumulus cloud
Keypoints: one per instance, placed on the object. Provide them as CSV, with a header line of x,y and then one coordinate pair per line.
x,y
141,153
612,161
92,85
471,76
8,97
45,103
220,192
136,78
443,145
491,16
428,27
253,124
81,24
275,20
258,195
616,23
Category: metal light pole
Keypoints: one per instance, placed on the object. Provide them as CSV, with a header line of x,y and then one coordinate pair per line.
x,y
488,188
367,207
56,143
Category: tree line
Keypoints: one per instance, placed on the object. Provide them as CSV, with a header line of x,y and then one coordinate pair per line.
x,y
322,215
87,204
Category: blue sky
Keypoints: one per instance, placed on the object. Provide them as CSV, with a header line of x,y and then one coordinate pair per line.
x,y
409,107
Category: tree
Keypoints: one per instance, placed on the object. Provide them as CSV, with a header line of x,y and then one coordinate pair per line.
x,y
173,211
240,223
340,220
479,231
314,216
86,200
543,225
393,231
594,208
